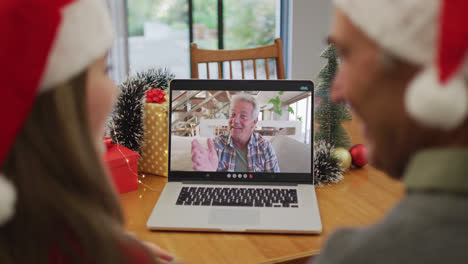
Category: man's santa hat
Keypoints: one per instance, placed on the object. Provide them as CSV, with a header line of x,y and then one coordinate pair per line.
x,y
45,44
430,33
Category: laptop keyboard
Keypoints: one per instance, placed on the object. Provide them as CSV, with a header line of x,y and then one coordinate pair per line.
x,y
247,197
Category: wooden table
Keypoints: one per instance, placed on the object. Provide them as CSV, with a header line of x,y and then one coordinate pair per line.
x,y
362,198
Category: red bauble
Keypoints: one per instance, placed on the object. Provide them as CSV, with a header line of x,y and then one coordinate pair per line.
x,y
358,155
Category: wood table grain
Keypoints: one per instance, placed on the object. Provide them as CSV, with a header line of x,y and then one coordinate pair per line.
x,y
362,198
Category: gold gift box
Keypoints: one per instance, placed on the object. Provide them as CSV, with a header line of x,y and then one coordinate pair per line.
x,y
154,151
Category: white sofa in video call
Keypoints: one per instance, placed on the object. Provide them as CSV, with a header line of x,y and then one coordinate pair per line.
x,y
293,155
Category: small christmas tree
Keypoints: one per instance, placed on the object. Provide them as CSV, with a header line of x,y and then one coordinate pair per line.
x,y
329,115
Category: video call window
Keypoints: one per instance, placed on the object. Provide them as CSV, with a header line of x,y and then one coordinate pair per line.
x,y
239,131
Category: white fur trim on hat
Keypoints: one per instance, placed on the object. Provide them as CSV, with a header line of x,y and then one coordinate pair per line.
x,y
408,29
7,199
405,28
436,105
84,35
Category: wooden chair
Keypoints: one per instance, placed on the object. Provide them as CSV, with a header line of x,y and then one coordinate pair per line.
x,y
274,51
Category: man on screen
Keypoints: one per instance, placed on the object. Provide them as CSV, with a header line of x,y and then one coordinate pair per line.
x,y
240,150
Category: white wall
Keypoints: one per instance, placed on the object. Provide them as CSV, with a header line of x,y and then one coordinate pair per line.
x,y
309,29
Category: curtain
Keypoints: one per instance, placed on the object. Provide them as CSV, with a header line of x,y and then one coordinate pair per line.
x,y
118,55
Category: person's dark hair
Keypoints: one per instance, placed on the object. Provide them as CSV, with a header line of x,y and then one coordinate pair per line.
x,y
65,198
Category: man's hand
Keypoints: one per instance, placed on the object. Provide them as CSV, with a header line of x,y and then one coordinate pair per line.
x,y
204,159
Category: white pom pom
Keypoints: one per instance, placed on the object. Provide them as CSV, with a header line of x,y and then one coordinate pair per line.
x,y
436,105
7,199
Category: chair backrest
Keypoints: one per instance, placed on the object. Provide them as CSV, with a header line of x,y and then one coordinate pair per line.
x,y
274,51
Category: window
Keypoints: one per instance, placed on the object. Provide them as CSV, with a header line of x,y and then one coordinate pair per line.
x,y
158,35
303,112
160,31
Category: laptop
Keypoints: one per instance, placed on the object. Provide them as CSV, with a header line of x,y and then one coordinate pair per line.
x,y
264,187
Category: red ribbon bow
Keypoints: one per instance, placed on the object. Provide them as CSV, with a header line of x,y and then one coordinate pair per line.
x,y
155,96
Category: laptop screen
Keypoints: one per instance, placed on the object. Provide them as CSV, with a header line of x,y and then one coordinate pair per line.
x,y
238,130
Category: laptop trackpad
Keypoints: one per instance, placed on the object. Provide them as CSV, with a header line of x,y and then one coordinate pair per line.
x,y
234,217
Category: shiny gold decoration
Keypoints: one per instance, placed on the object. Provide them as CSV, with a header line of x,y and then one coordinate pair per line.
x,y
154,151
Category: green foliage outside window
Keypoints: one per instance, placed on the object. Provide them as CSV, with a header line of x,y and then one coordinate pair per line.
x,y
138,12
247,23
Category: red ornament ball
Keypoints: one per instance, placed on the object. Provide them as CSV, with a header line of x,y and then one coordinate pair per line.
x,y
358,155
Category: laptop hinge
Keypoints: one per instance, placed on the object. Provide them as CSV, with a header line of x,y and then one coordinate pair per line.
x,y
240,183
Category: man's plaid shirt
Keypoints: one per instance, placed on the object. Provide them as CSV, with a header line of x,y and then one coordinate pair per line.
x,y
261,156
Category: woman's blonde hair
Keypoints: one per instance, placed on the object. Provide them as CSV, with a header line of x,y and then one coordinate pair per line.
x,y
65,198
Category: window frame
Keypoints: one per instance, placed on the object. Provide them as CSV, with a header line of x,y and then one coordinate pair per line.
x,y
284,21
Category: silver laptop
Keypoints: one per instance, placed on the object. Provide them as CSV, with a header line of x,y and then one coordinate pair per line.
x,y
240,158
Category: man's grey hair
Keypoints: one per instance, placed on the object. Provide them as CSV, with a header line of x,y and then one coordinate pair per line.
x,y
247,98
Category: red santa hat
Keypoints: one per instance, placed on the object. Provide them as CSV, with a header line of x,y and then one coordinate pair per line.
x,y
46,43
430,33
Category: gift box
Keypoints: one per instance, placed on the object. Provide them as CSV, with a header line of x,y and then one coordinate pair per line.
x,y
154,151
122,163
